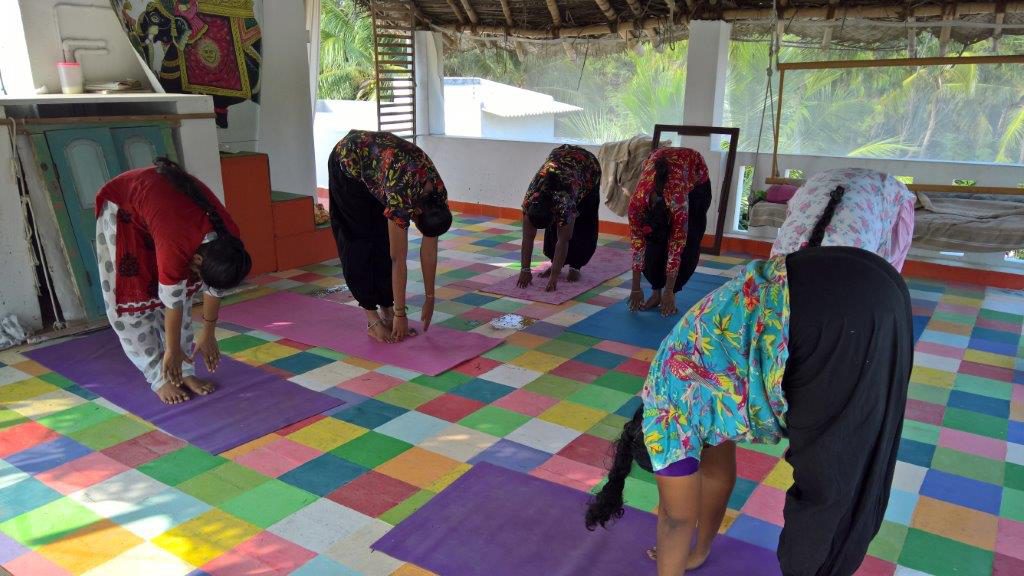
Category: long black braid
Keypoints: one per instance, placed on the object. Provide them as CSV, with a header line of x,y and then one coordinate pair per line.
x,y
818,234
225,261
608,504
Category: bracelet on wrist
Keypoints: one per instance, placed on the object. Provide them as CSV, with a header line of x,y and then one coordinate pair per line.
x,y
214,321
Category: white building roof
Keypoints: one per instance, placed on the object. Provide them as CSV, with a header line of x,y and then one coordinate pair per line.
x,y
512,102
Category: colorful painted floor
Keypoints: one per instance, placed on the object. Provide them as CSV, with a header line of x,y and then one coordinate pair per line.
x,y
308,500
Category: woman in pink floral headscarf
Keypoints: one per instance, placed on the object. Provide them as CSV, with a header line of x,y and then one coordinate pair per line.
x,y
873,211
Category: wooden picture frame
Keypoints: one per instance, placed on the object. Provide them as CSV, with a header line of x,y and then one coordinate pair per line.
x,y
730,164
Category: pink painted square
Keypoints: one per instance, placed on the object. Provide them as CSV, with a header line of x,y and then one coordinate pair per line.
x,y
973,444
589,450
1010,539
142,449
81,473
526,402
263,554
875,567
35,564
477,366
1003,565
570,473
278,457
766,504
924,411
926,347
635,367
579,371
370,384
24,436
617,348
986,371
754,465
300,425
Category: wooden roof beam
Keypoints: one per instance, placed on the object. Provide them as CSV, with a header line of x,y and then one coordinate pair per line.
x,y
950,14
607,9
826,37
470,12
507,11
457,12
997,32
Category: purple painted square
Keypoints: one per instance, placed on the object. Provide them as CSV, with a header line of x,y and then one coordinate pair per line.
x,y
49,455
512,455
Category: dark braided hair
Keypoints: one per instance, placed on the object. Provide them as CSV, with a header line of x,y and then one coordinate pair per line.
x,y
818,234
225,260
658,215
435,218
608,504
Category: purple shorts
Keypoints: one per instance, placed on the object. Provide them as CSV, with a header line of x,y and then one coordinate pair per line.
x,y
684,467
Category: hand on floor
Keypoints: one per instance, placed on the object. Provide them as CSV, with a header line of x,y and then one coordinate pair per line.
x,y
636,300
552,284
525,278
668,304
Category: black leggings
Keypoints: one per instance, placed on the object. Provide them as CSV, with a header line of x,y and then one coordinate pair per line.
x,y
584,233
656,252
361,233
850,354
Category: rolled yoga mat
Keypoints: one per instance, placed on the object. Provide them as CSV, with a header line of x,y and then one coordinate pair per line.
x,y
342,328
249,403
606,264
493,521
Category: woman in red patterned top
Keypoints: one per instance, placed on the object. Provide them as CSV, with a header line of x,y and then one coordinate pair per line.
x,y
667,218
161,237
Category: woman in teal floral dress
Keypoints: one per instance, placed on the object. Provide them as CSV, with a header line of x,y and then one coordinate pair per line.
x,y
816,347
379,185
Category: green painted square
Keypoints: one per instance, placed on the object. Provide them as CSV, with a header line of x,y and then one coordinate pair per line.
x,y
587,341
940,556
77,418
57,380
562,349
269,503
181,465
306,289
641,474
889,542
968,465
409,395
222,483
407,507
626,383
1013,504
494,421
444,382
326,353
110,432
554,386
503,305
453,308
49,523
926,393
976,423
10,418
610,428
1000,316
964,319
776,450
505,352
638,493
1013,476
601,398
371,449
239,343
921,432
460,273
983,386
460,324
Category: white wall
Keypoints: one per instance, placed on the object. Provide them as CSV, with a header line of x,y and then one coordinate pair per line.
x,y
15,68
334,119
462,115
540,127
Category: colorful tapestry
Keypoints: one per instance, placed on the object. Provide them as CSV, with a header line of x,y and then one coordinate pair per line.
x,y
198,47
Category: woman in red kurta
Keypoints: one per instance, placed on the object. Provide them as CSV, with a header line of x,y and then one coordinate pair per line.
x,y
668,214
162,236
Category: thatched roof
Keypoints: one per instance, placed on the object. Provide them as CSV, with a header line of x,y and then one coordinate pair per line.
x,y
861,23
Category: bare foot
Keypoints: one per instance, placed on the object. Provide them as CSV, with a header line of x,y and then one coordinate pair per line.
x,y
379,332
171,394
574,275
546,273
696,560
653,302
197,386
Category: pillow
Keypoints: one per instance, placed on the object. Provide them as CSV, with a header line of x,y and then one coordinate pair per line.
x,y
780,193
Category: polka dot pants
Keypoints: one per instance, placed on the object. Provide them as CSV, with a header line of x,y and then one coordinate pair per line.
x,y
141,335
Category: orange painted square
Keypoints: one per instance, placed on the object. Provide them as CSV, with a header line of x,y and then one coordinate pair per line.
x,y
956,523
31,368
418,467
412,570
524,340
250,446
90,547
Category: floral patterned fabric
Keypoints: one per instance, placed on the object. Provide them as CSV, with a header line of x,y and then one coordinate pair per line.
x,y
394,170
876,214
686,170
718,375
578,169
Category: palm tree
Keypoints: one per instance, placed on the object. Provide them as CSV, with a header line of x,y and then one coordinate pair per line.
x,y
346,52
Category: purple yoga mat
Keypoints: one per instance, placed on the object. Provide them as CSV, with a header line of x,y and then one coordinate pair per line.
x,y
249,403
498,522
606,264
342,328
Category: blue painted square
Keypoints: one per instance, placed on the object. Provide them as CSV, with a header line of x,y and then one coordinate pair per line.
x,y
901,507
512,455
324,566
370,414
49,455
741,491
323,475
81,392
756,532
474,299
483,390
600,358
1003,348
963,491
977,403
945,338
629,408
301,363
1016,432
24,496
914,452
488,242
920,323
996,335
1018,375
349,398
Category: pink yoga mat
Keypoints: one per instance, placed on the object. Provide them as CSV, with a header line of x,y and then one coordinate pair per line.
x,y
606,264
342,328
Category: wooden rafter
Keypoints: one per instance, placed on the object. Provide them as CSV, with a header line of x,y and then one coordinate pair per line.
x,y
607,9
556,16
455,10
826,38
947,29
997,32
507,11
470,12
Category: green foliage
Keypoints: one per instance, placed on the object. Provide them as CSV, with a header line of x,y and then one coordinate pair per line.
x,y
346,52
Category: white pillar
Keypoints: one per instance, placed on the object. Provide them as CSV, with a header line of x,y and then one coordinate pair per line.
x,y
429,65
707,63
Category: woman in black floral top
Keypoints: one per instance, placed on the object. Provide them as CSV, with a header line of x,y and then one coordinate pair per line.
x,y
379,184
563,200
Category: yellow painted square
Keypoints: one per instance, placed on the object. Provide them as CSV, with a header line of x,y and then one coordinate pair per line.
x,y
327,282
645,355
538,361
412,570
327,434
573,415
364,364
446,480
265,353
961,300
206,537
781,477
932,377
90,547
25,389
238,452
39,406
730,517
997,360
